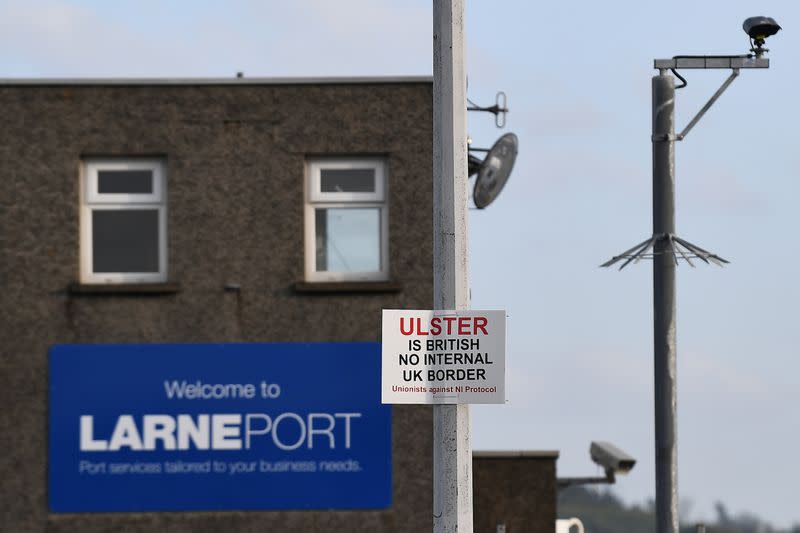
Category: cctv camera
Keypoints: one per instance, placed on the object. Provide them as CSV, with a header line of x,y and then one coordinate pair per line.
x,y
612,459
759,28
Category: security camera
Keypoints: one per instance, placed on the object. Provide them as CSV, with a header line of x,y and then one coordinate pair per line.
x,y
759,28
612,459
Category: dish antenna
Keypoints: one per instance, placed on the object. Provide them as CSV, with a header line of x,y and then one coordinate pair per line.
x,y
493,171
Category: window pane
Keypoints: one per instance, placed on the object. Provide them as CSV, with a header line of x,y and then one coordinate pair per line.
x,y
125,240
348,240
125,181
347,180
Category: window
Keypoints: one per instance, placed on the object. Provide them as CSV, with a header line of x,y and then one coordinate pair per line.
x,y
123,221
346,220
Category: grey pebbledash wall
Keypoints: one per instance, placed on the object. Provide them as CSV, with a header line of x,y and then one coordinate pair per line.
x,y
235,155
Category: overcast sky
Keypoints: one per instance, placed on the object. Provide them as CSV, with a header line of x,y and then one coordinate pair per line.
x,y
577,75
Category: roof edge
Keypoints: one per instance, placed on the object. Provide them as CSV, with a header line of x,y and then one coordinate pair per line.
x,y
515,454
342,80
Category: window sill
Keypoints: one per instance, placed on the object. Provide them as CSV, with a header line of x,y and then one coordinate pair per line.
x,y
327,287
124,288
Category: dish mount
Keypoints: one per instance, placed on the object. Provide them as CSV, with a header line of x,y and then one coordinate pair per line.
x,y
495,168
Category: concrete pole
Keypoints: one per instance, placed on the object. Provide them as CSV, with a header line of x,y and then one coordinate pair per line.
x,y
664,315
452,441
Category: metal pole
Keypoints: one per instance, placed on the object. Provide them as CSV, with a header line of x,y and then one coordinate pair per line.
x,y
708,105
664,303
452,444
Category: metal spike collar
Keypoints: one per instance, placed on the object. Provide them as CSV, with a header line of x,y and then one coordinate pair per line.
x,y
679,248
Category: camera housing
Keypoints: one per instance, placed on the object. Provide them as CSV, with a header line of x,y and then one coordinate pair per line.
x,y
612,459
760,27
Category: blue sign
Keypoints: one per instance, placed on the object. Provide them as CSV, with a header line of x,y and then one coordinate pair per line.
x,y
159,427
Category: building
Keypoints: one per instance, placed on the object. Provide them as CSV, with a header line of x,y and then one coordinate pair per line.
x,y
206,212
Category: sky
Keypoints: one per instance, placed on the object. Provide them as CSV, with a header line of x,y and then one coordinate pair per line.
x,y
577,76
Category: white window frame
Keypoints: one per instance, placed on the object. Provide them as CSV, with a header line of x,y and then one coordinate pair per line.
x,y
316,198
92,200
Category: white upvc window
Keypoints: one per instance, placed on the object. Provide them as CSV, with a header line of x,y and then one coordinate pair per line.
x,y
123,221
346,220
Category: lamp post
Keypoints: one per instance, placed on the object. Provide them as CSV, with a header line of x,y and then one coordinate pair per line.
x,y
667,248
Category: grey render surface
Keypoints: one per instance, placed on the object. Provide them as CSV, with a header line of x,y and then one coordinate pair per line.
x,y
235,156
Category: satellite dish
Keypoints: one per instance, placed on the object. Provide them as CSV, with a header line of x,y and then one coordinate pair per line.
x,y
494,170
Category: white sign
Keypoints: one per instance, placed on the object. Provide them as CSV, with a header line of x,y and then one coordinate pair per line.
x,y
443,356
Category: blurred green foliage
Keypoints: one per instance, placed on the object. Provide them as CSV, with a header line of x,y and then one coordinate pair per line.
x,y
603,512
